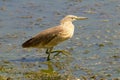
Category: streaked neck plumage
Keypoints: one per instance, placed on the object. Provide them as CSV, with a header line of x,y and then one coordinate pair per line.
x,y
68,28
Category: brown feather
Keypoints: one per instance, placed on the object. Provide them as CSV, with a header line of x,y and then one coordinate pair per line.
x,y
42,38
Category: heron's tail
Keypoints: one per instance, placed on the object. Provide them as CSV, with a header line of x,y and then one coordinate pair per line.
x,y
27,43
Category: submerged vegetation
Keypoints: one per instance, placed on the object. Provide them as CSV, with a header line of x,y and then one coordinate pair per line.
x,y
49,70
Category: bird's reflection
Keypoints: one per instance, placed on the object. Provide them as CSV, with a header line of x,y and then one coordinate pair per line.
x,y
51,69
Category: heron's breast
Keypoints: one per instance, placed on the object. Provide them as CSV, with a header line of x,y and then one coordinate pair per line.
x,y
68,31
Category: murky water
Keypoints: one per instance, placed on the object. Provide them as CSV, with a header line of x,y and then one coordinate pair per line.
x,y
95,46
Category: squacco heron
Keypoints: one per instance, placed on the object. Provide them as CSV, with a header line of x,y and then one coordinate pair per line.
x,y
52,36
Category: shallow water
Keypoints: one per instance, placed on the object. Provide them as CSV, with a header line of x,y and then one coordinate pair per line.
x,y
95,46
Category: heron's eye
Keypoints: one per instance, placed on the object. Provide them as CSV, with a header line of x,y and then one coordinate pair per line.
x,y
72,18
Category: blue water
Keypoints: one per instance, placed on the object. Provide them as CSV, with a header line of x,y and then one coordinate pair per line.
x,y
96,41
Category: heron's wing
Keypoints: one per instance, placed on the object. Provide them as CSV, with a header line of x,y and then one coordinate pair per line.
x,y
43,37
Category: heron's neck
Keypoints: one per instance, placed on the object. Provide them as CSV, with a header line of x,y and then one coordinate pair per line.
x,y
67,26
66,23
68,29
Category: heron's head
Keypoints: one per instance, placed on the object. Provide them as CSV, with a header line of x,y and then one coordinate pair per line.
x,y
72,18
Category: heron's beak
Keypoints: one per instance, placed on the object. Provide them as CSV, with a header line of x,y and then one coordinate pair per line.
x,y
81,18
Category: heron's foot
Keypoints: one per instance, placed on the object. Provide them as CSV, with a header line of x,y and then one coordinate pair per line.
x,y
49,51
56,54
61,51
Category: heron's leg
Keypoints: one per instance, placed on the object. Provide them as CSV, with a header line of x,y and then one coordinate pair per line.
x,y
48,58
48,51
